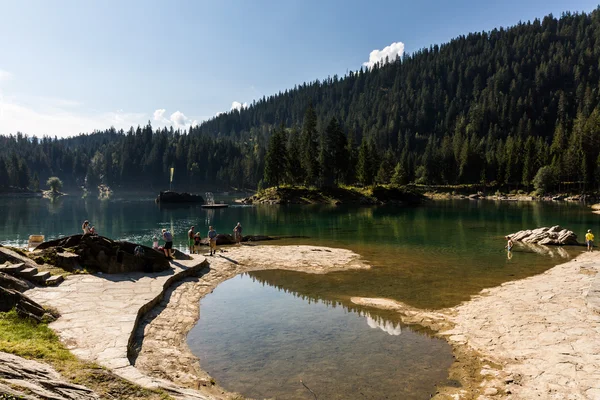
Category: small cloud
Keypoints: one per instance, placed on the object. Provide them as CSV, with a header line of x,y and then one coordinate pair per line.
x,y
179,119
159,115
391,51
5,75
236,105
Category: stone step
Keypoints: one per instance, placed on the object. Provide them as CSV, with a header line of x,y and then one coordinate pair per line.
x,y
12,269
55,280
27,273
41,277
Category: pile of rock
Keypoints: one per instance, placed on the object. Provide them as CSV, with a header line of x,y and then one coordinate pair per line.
x,y
546,236
100,253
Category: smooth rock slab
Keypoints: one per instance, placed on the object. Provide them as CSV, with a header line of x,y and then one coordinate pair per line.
x,y
99,314
39,379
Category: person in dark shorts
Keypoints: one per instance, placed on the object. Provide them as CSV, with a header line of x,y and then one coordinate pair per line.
x,y
168,238
191,240
212,237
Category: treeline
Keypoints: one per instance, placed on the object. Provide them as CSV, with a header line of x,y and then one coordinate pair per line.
x,y
491,107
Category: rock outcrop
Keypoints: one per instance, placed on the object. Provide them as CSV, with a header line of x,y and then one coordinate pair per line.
x,y
10,282
102,254
28,379
546,236
174,197
10,299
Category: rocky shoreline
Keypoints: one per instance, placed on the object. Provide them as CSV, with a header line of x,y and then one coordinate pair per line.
x,y
529,338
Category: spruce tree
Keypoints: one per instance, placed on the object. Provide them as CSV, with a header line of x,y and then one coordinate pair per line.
x,y
309,147
276,158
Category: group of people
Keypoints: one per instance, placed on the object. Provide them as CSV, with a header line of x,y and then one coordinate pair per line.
x,y
194,240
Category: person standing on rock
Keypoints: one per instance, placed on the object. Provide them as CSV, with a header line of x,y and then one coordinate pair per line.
x,y
212,240
237,233
168,238
191,240
589,240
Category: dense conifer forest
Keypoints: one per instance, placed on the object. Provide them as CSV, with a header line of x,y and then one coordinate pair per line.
x,y
487,108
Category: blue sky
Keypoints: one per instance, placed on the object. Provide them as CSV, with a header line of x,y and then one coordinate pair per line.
x,y
74,66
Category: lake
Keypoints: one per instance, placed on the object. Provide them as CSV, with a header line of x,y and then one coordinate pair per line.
x,y
433,256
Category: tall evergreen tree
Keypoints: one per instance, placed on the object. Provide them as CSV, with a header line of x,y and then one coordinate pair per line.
x,y
276,158
309,161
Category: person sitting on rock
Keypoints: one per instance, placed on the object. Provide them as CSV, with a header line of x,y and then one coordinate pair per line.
x,y
93,230
86,227
138,251
155,243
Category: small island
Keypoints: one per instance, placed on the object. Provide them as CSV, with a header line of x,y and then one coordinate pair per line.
x,y
376,195
175,197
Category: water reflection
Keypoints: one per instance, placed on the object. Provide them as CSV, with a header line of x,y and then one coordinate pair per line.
x,y
393,329
250,332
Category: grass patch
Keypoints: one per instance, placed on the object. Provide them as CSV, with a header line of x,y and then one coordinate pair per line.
x,y
31,340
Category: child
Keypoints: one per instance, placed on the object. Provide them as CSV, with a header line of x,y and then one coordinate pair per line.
x,y
509,244
197,243
589,240
155,243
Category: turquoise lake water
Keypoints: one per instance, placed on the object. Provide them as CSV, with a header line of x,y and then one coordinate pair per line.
x,y
433,256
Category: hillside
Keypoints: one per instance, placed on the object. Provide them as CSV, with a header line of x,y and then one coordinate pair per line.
x,y
490,107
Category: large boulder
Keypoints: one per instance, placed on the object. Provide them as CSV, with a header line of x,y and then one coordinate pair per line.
x,y
10,282
99,253
174,197
10,299
546,236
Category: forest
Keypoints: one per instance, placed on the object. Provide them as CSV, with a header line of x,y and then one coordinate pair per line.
x,y
487,108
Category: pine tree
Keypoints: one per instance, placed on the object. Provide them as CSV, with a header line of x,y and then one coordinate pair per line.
x,y
309,160
276,158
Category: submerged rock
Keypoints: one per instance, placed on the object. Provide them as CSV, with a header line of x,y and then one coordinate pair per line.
x,y
546,236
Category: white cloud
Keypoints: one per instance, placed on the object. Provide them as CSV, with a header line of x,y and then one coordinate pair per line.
x,y
179,119
159,115
5,75
236,105
49,119
391,51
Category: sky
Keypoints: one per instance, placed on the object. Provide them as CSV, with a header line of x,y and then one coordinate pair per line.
x,y
70,67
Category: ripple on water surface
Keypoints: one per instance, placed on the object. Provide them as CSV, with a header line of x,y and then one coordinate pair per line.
x,y
261,342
